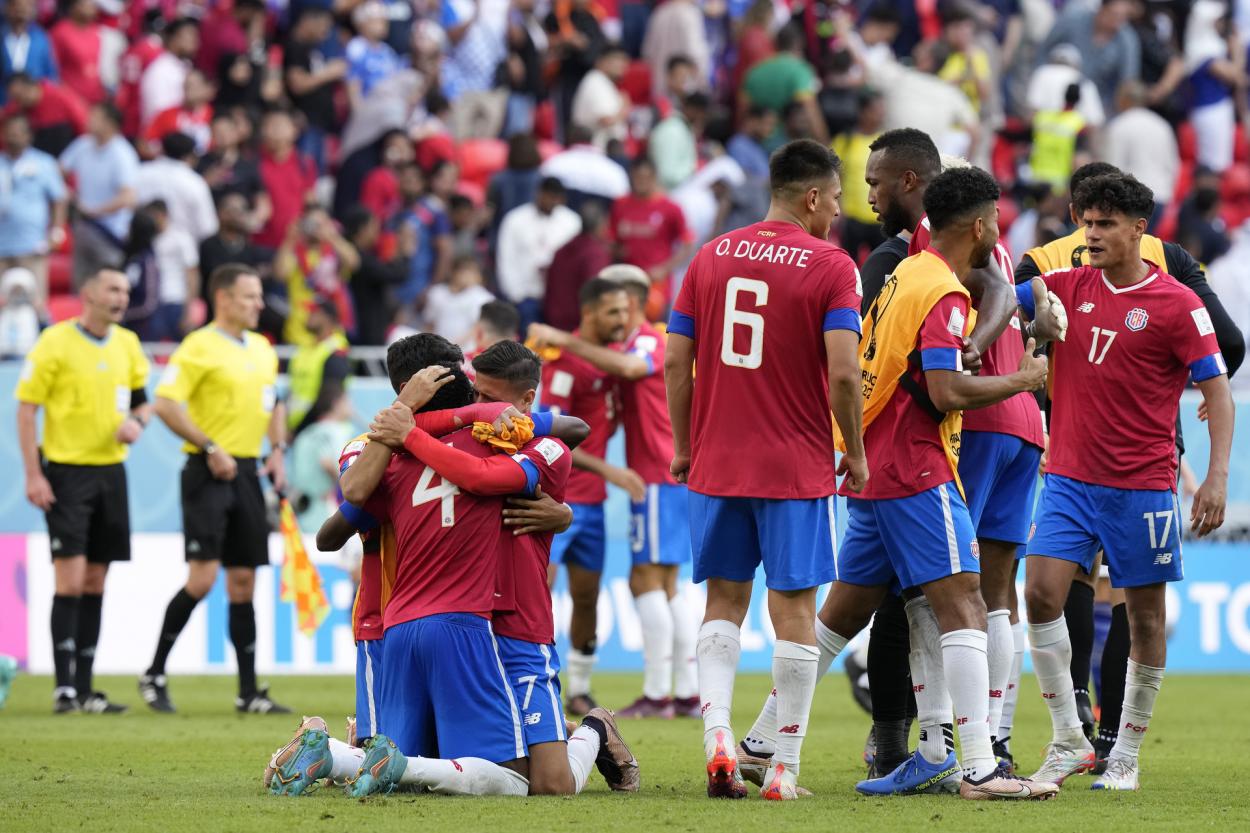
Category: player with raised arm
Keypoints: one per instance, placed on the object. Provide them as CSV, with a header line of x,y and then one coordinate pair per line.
x,y
1138,336
770,313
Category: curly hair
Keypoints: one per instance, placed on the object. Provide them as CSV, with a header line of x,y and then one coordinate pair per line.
x,y
1115,194
958,194
409,355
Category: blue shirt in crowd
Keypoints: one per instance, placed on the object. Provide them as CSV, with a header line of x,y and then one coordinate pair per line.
x,y
29,185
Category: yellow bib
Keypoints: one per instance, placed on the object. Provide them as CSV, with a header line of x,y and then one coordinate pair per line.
x,y
1070,252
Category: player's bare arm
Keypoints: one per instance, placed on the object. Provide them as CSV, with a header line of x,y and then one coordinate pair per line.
x,y
365,473
847,403
140,414
175,416
534,516
951,390
622,365
495,475
1210,499
38,490
679,383
334,533
995,304
624,478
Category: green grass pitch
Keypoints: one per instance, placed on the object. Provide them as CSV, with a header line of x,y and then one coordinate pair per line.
x,y
200,771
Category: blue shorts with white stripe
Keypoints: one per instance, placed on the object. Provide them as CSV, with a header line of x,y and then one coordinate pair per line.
x,y
908,541
659,527
368,684
534,673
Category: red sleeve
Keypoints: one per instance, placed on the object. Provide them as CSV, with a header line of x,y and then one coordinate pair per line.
x,y
160,125
553,460
1193,334
942,333
443,422
843,288
494,475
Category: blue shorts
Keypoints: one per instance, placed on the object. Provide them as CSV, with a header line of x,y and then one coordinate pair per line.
x,y
999,474
659,527
368,685
1138,530
912,540
585,542
446,695
534,672
793,539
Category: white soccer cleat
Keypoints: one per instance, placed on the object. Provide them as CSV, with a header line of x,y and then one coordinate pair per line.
x,y
1063,761
1121,774
781,784
724,779
1001,787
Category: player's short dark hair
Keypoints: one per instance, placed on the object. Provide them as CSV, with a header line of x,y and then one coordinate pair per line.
x,y
177,145
409,355
594,289
501,318
1115,194
912,148
1089,171
801,163
227,275
512,362
958,194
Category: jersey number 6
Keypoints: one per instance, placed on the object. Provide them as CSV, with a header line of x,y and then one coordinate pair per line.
x,y
754,356
446,492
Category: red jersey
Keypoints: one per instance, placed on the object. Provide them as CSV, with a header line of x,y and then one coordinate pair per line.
x,y
1130,350
142,52
57,106
377,564
447,540
920,238
647,229
195,123
575,387
644,410
77,50
757,302
530,618
286,181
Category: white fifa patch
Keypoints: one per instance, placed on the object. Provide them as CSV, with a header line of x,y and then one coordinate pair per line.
x,y
646,344
170,376
561,383
1202,320
859,284
956,323
549,449
28,370
354,447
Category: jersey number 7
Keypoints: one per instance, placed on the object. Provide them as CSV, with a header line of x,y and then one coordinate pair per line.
x,y
754,357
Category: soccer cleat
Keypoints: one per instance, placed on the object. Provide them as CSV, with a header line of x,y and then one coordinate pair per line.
x,y
915,776
383,766
152,687
1085,711
64,701
285,753
687,707
646,707
616,763
1064,761
753,767
97,702
1003,754
723,778
1102,751
259,703
8,672
1121,774
301,771
580,705
782,785
999,787
870,747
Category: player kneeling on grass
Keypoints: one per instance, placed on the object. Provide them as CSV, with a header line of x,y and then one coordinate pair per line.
x,y
1139,336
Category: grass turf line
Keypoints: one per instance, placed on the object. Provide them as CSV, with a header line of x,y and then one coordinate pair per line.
x,y
200,770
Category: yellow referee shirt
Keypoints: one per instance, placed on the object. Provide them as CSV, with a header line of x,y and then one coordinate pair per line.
x,y
83,384
228,386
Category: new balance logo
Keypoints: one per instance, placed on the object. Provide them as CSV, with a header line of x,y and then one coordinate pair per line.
x,y
1163,559
533,718
1088,306
792,729
1138,729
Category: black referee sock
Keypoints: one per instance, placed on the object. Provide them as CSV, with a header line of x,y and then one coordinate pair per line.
x,y
1113,673
89,610
64,638
1079,613
181,606
243,635
889,644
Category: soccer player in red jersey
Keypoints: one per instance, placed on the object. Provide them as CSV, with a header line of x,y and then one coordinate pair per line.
x,y
771,315
1137,337
650,231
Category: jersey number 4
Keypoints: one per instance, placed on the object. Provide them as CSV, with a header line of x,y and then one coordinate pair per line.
x,y
753,321
1095,354
444,491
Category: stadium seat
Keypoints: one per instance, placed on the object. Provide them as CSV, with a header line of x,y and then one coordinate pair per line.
x,y
480,159
60,274
636,83
545,121
435,149
63,307
1187,142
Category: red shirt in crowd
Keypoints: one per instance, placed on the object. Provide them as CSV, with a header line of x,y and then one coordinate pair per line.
x,y
380,193
288,181
57,106
647,228
195,123
136,59
77,50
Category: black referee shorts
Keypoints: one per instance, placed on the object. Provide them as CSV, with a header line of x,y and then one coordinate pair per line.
x,y
224,520
91,515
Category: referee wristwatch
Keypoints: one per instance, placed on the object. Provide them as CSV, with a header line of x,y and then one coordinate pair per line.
x,y
209,448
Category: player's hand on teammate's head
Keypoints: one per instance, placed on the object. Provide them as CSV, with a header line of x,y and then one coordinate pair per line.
x,y
1032,368
1050,317
856,471
971,357
420,389
680,467
1207,513
391,425
534,516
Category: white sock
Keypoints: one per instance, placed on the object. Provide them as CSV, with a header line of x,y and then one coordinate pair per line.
x,y
577,673
762,739
1052,659
999,652
718,651
928,681
968,676
346,760
464,776
1018,644
656,619
1141,687
685,670
583,749
794,680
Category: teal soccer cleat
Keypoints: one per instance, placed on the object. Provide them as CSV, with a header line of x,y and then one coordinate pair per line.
x,y
8,671
383,766
311,761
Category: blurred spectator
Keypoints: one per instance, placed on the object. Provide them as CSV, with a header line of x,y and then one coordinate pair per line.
x,y
673,146
1106,42
19,316
467,222
707,198
918,99
676,28
497,321
233,243
229,29
32,208
599,104
424,229
860,228
141,269
521,72
370,59
311,77
476,31
228,169
576,41
314,471
516,184
164,81
586,171
1141,143
650,232
287,175
575,263
1056,135
967,64
315,262
528,239
55,114
24,45
145,48
171,178
785,77
681,78
1199,227
318,371
76,43
1162,66
374,279
104,168
178,270
380,193
1050,82
194,116
747,145
755,40
452,308
1217,67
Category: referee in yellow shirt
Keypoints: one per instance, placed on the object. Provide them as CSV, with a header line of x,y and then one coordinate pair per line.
x,y
217,393
89,376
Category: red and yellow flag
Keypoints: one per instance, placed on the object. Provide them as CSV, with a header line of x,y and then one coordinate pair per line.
x,y
301,583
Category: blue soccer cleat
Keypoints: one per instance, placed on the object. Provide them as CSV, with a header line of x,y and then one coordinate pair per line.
x,y
915,776
8,671
383,766
311,762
